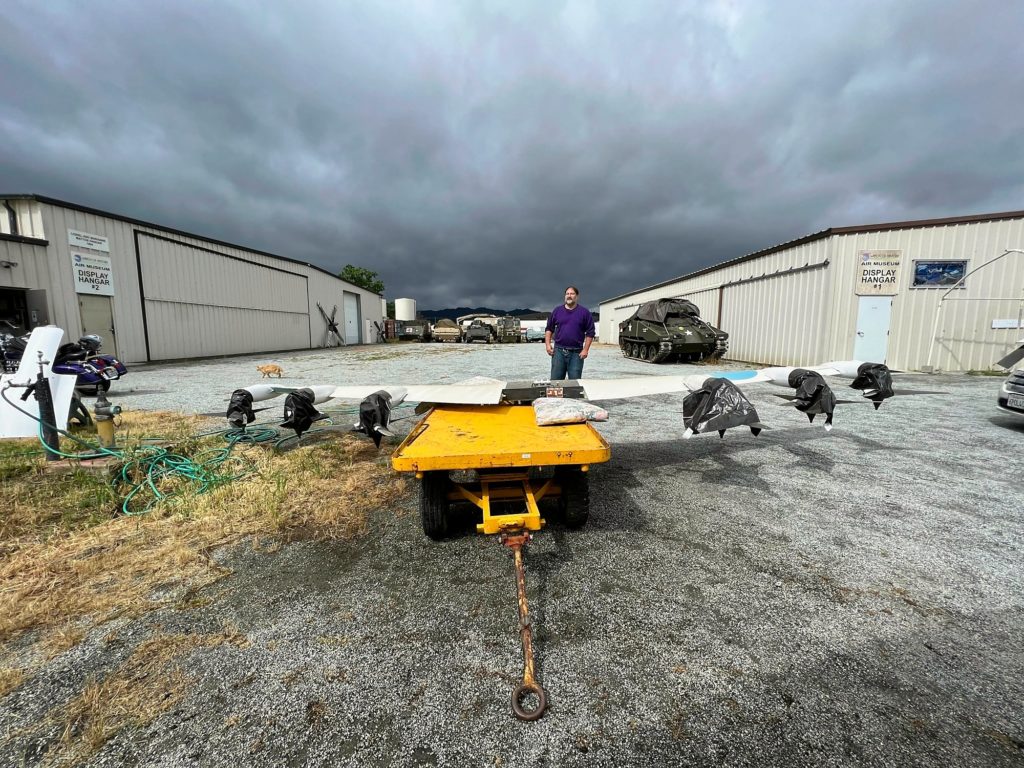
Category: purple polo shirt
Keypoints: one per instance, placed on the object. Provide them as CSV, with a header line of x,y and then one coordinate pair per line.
x,y
570,326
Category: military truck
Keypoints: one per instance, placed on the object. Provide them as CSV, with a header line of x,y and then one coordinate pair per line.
x,y
508,330
669,330
412,330
479,330
447,330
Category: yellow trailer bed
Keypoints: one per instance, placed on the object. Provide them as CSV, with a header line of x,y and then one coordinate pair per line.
x,y
502,443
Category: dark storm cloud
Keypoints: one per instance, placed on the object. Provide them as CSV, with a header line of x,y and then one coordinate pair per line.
x,y
491,153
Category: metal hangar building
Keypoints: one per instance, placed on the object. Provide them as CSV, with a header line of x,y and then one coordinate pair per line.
x,y
156,293
936,294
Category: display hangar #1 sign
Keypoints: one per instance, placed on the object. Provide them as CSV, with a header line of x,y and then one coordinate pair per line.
x,y
93,273
878,273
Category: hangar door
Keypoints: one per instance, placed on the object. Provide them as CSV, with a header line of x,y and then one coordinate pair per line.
x,y
199,303
352,323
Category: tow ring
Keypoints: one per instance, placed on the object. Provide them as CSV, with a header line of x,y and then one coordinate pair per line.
x,y
521,692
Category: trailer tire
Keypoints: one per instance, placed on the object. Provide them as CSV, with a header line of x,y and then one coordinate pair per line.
x,y
574,503
434,504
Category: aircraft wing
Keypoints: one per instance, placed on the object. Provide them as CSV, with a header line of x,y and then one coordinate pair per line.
x,y
713,399
639,386
486,393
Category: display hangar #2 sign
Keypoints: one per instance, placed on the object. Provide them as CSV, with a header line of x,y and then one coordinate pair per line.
x,y
93,273
878,273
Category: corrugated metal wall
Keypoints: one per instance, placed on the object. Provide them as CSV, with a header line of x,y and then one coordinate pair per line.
x,y
779,309
772,307
253,306
200,304
778,319
32,270
965,339
28,217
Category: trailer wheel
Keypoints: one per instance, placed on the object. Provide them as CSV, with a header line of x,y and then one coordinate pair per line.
x,y
574,503
434,504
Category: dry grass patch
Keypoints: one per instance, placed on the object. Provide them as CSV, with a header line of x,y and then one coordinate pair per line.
x,y
147,684
10,678
70,560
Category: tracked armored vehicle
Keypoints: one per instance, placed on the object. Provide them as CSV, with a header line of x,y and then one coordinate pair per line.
x,y
670,330
479,330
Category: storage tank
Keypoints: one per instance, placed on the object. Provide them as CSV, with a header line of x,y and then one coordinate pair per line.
x,y
405,309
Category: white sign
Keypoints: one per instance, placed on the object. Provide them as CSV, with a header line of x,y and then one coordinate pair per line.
x,y
1006,323
879,273
93,274
85,240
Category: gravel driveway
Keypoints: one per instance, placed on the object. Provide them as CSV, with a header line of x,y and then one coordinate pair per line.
x,y
799,598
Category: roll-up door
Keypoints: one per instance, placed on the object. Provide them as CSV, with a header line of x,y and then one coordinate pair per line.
x,y
200,303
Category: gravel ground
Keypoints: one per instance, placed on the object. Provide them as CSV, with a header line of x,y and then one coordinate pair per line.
x,y
793,599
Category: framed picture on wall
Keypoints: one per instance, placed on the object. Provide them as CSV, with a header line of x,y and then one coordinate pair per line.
x,y
938,274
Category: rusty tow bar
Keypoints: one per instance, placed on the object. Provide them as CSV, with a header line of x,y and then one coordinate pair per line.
x,y
516,540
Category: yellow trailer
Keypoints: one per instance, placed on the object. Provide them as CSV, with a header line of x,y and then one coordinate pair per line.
x,y
502,443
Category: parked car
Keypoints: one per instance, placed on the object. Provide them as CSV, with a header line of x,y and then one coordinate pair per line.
x,y
535,334
1011,397
1011,394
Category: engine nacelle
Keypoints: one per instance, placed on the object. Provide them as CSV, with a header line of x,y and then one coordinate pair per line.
x,y
299,410
813,395
718,405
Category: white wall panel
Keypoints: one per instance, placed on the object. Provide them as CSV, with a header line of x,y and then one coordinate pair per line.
x,y
751,293
183,330
200,303
783,314
31,270
173,271
965,339
778,319
197,276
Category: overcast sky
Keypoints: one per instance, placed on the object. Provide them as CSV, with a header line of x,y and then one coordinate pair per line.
x,y
489,153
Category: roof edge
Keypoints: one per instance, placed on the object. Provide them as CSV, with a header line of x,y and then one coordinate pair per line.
x,y
23,239
851,230
180,232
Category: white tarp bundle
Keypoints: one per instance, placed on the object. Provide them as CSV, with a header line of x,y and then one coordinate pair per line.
x,y
557,410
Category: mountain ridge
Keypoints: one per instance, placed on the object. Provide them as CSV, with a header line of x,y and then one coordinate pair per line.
x,y
455,312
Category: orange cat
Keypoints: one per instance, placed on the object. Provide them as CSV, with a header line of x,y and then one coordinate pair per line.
x,y
269,370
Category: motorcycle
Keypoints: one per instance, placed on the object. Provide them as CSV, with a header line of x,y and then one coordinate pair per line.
x,y
99,369
82,358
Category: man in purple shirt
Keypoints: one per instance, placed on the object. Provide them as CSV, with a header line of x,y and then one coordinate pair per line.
x,y
572,327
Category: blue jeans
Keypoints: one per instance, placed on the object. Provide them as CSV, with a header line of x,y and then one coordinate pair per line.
x,y
566,364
